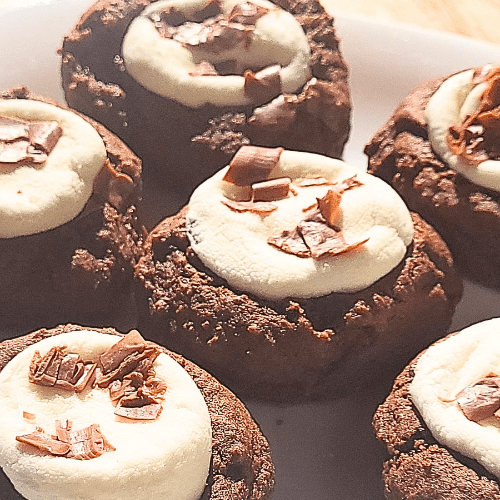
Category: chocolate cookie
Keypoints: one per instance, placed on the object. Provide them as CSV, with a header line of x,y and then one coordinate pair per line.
x,y
439,151
68,223
439,421
186,85
239,462
319,284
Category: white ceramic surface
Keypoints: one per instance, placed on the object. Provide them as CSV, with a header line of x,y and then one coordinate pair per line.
x,y
321,451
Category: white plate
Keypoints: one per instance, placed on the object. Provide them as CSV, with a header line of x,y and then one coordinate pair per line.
x,y
323,451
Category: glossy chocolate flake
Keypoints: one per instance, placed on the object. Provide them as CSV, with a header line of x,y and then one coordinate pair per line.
x,y
84,444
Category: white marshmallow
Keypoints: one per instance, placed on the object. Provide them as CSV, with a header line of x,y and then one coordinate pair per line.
x,y
36,199
167,458
163,65
442,372
456,97
234,245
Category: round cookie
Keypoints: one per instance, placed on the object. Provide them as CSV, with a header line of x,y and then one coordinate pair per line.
x,y
196,411
68,224
186,83
439,421
438,151
291,276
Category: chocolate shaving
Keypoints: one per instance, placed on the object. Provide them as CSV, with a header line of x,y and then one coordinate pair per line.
x,y
313,181
148,412
58,369
26,142
317,235
166,19
329,206
44,442
84,444
477,137
272,190
246,13
256,207
264,85
291,242
252,164
480,400
204,69
279,113
126,369
323,240
209,29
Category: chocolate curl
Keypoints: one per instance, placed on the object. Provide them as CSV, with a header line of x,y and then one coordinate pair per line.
x,y
477,137
264,85
252,164
480,400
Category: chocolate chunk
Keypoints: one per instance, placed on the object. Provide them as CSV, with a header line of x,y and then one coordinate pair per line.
x,y
257,207
264,85
274,189
252,164
246,13
480,400
204,69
